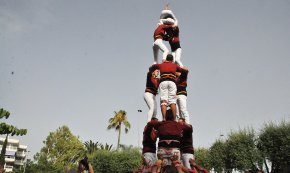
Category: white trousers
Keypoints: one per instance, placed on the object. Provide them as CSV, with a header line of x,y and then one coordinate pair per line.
x,y
158,44
150,100
181,110
168,92
177,56
185,159
150,158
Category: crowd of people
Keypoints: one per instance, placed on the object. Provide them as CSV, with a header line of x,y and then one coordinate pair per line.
x,y
167,144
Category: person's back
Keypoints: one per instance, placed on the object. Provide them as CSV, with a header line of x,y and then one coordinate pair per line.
x,y
168,70
169,133
149,143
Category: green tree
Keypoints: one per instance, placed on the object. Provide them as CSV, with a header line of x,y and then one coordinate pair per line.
x,y
217,154
6,129
117,161
61,152
116,123
242,153
202,157
275,146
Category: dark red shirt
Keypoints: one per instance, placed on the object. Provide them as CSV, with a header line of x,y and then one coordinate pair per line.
x,y
174,33
186,145
182,83
160,31
169,133
149,144
168,71
151,84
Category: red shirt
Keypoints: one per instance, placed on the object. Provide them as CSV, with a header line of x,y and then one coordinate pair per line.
x,y
167,71
182,83
174,32
169,131
151,84
160,31
186,140
149,144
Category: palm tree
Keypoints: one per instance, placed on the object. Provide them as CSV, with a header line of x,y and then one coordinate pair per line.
x,y
6,129
116,123
106,147
91,146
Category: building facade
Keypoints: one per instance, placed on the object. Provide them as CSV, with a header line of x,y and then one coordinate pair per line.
x,y
15,156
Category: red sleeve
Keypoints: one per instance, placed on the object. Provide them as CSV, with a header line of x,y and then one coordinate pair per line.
x,y
178,69
155,66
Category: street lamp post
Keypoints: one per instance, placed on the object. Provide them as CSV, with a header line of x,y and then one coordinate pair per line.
x,y
139,110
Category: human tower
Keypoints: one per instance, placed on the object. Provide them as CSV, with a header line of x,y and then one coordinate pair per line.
x,y
174,151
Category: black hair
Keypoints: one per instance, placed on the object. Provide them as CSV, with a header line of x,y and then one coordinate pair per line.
x,y
85,162
154,118
183,119
169,115
169,169
152,68
169,57
168,16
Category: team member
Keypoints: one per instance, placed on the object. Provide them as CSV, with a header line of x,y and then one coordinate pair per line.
x,y
167,85
172,33
159,36
182,95
174,43
151,91
186,146
169,134
149,144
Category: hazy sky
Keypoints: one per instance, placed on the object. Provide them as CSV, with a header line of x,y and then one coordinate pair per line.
x,y
75,62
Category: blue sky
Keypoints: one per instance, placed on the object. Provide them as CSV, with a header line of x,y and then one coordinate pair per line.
x,y
76,62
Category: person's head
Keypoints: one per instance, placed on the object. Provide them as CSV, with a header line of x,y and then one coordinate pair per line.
x,y
169,169
155,73
169,57
154,119
169,115
83,164
168,21
181,120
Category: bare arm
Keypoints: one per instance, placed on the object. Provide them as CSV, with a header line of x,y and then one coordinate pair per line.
x,y
91,170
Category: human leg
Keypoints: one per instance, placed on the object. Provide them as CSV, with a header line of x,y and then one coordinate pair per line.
x,y
172,97
185,159
177,107
182,104
177,56
163,88
158,44
150,158
150,101
173,108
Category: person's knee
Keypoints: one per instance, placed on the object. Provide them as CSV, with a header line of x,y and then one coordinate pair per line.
x,y
163,103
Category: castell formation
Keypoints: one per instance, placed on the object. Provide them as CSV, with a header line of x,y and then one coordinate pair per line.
x,y
167,140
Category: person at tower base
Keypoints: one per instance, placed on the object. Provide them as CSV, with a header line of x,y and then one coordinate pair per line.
x,y
169,134
186,146
150,92
149,143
